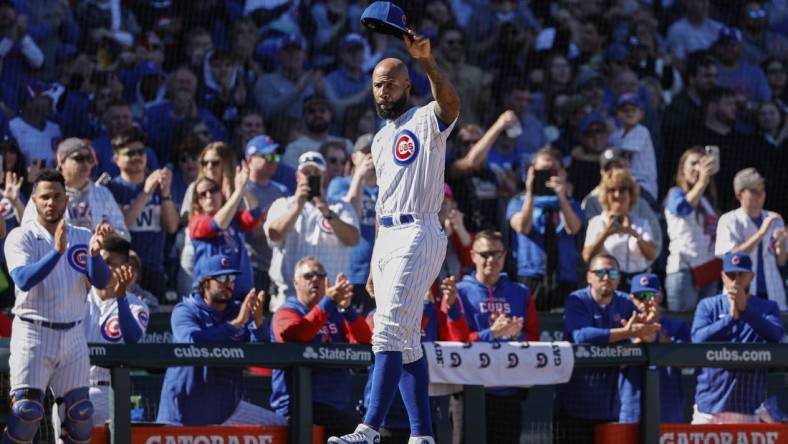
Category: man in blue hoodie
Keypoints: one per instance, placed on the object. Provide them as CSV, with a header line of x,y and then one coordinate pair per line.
x,y
202,395
597,314
647,296
496,308
732,395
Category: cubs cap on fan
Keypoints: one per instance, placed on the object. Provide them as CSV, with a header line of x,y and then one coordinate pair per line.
x,y
216,265
386,18
747,179
291,40
590,119
736,262
729,35
312,158
352,40
260,146
645,282
628,99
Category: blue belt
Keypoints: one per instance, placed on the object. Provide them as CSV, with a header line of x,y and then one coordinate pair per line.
x,y
388,221
52,325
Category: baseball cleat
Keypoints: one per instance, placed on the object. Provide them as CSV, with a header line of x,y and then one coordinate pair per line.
x,y
363,435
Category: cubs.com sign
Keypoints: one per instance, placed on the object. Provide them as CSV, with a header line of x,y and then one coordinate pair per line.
x,y
491,363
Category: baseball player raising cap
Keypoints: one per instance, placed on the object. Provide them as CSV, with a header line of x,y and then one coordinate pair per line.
x,y
410,245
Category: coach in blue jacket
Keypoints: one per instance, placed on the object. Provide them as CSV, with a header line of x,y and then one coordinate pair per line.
x,y
647,296
597,314
209,317
727,395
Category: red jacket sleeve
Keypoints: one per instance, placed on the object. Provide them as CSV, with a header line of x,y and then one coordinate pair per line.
x,y
200,226
290,326
452,329
358,332
463,252
531,327
248,221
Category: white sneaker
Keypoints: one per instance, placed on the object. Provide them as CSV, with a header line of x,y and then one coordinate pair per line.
x,y
363,435
421,440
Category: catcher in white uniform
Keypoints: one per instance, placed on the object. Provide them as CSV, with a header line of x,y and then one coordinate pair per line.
x,y
409,154
47,347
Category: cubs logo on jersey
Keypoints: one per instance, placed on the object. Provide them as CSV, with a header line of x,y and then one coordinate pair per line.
x,y
406,148
143,318
110,329
78,257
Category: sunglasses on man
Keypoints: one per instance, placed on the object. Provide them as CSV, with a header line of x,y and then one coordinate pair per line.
x,y
612,273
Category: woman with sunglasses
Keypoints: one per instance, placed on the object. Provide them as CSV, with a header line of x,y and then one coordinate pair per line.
x,y
615,231
216,226
216,162
691,214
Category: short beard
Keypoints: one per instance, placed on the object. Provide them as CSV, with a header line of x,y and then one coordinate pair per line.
x,y
399,107
318,127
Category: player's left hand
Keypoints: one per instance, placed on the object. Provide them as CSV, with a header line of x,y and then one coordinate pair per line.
x,y
449,290
417,45
97,240
122,277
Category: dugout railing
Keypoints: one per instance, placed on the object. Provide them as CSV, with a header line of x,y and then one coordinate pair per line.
x,y
121,358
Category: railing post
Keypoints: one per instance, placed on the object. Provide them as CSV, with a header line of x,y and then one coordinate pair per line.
x,y
120,406
474,419
301,406
649,405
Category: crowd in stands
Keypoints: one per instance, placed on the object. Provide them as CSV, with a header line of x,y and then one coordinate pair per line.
x,y
600,143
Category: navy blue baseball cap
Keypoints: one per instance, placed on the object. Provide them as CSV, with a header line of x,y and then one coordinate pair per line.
x,y
216,265
628,99
260,145
385,18
736,262
290,41
352,40
645,282
730,35
590,119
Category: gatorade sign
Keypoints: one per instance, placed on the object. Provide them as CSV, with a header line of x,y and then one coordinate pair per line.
x,y
240,434
698,434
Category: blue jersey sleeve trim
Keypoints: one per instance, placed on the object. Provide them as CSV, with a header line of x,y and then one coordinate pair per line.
x,y
129,327
677,203
28,276
98,272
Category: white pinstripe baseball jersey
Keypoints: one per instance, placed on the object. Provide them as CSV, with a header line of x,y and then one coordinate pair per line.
x,y
60,296
311,235
102,325
410,155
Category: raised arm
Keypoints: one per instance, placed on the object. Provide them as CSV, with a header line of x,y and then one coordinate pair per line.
x,y
448,102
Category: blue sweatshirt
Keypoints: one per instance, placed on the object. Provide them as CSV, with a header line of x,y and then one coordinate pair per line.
x,y
480,302
671,396
733,390
204,395
592,393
